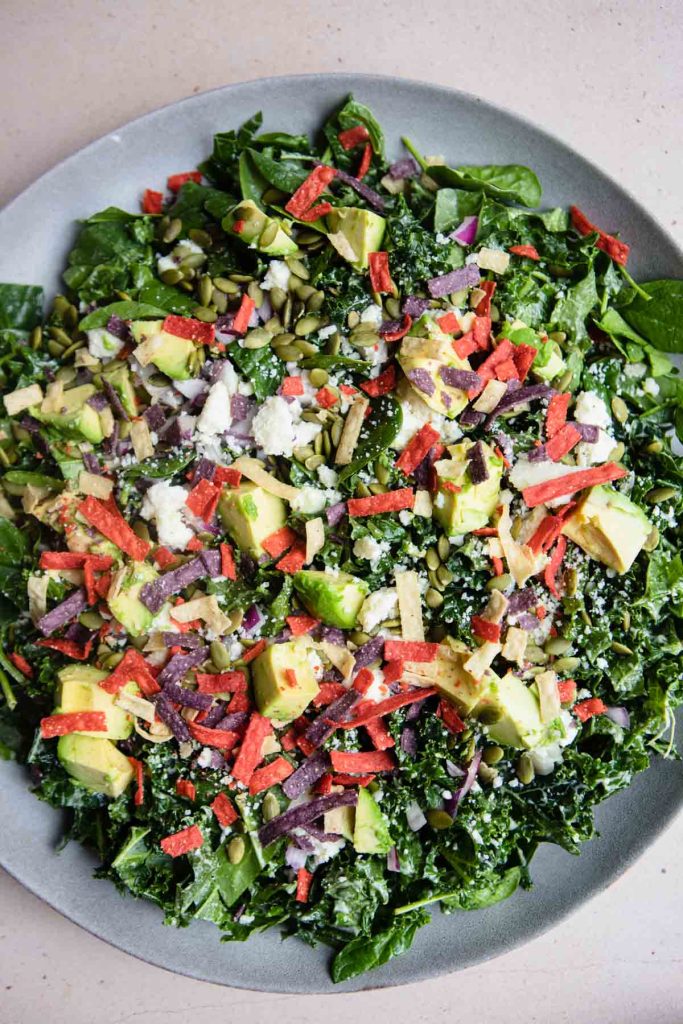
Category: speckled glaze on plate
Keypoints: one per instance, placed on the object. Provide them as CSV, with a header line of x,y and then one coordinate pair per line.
x,y
37,229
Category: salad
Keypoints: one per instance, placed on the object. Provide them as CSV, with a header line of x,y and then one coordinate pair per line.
x,y
339,544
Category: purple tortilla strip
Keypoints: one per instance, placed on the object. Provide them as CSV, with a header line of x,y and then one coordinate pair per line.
x,y
465,277
478,470
296,817
179,664
325,724
312,769
415,306
466,380
422,381
63,613
369,652
170,717
188,698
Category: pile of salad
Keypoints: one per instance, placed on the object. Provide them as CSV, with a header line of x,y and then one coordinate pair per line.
x,y
339,552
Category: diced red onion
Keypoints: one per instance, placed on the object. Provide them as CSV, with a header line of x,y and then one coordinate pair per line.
x,y
295,858
527,622
252,618
119,328
619,716
451,805
414,816
466,231
155,417
464,277
393,863
98,402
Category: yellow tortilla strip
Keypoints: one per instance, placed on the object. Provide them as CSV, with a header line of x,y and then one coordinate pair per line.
x,y
548,696
351,432
340,657
515,644
53,402
481,660
135,705
37,595
423,504
315,538
522,562
93,483
255,472
141,439
496,607
205,608
490,396
410,605
22,398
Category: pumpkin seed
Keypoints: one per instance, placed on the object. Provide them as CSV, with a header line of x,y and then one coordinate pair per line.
x,y
434,580
617,452
224,284
205,290
557,645
219,300
619,409
382,472
439,819
486,774
492,755
571,582
489,716
220,655
54,348
315,301
353,319
568,665
376,488
273,326
112,660
171,276
285,338
271,806
297,267
659,494
359,638
36,337
257,338
236,848
243,278
294,283
272,196
559,336
516,527
192,261
254,292
309,237
306,325
60,335
564,382
626,619
393,308
433,599
652,540
72,348
333,344
586,617
525,770
313,461
319,377
362,490
443,547
206,315
621,648
310,416
327,444
200,237
501,582
286,313
655,447
288,353
535,655
304,292
307,348
336,433
235,616
318,443
301,454
174,228
432,559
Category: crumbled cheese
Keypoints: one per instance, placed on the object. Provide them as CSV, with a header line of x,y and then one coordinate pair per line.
x,y
277,276
278,428
327,332
590,408
327,476
599,451
378,607
165,263
22,398
651,387
309,500
215,418
102,344
370,549
165,503
635,370
378,689
372,315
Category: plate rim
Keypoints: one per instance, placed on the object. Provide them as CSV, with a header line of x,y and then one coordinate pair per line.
x,y
350,81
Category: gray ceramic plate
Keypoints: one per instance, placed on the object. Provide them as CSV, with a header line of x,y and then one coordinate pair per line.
x,y
36,230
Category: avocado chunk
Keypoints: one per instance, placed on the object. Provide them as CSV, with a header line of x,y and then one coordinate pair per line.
x,y
123,386
334,598
251,514
78,690
95,763
168,352
512,713
264,233
609,527
456,684
126,605
355,233
461,511
370,833
77,419
425,361
340,820
284,684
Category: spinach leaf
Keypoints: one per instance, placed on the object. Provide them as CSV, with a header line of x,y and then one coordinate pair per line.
x,y
452,204
511,183
21,306
222,166
261,367
571,310
366,952
325,362
613,323
285,175
13,552
192,204
664,581
354,113
252,182
283,140
107,256
166,298
661,320
377,433
493,890
125,310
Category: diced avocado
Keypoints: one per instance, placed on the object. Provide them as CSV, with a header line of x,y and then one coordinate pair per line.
x,y
76,419
456,684
258,228
340,821
123,386
284,684
95,763
126,605
511,711
354,233
168,352
370,833
251,514
609,527
469,508
334,598
423,359
78,690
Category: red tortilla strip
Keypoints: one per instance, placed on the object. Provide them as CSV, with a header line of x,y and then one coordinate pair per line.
x,y
186,788
304,879
448,323
301,624
465,346
481,332
181,842
74,560
344,779
152,201
164,558
376,504
250,755
131,668
393,672
561,443
547,532
363,681
385,707
139,770
203,499
327,693
365,161
380,737
114,527
270,775
523,357
175,181
221,682
551,489
410,650
507,370
485,629
483,307
224,810
221,739
294,560
450,717
228,568
585,709
352,137
380,277
187,327
69,648
416,449
20,662
254,651
381,385
615,249
400,332
556,416
72,721
524,250
552,568
227,475
309,190
243,315
360,761
277,543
